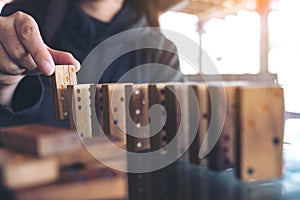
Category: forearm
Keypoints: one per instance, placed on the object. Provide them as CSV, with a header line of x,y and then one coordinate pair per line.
x,y
24,102
6,94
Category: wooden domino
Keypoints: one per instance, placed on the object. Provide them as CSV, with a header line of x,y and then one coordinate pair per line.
x,y
114,112
63,75
82,109
39,140
137,109
201,92
222,155
157,97
260,132
20,171
177,124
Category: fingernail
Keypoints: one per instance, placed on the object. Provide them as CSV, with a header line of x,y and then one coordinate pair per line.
x,y
47,68
78,65
20,71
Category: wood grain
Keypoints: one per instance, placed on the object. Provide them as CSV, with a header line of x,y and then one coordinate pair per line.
x,y
223,153
114,112
94,181
20,171
138,108
177,123
260,132
39,140
157,97
202,95
84,117
63,76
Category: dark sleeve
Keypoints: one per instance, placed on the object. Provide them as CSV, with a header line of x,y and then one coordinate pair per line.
x,y
34,8
25,104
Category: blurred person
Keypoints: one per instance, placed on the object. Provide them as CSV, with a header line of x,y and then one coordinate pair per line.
x,y
30,30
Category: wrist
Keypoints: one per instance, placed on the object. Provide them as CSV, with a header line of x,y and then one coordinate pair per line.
x,y
7,93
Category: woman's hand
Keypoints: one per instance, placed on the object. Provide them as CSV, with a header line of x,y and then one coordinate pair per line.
x,y
22,52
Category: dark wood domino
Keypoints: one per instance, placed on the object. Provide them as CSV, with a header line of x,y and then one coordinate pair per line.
x,y
63,76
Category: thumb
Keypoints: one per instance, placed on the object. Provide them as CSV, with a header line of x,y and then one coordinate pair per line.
x,y
63,58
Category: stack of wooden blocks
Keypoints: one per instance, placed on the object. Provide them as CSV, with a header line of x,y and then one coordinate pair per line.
x,y
250,141
43,162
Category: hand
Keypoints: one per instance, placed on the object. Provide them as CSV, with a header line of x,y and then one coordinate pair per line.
x,y
22,51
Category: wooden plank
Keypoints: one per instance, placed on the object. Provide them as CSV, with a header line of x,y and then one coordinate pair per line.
x,y
83,110
63,75
104,150
136,96
114,112
260,132
222,155
89,151
86,182
20,171
39,140
202,95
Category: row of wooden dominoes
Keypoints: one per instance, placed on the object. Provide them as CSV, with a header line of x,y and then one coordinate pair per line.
x,y
249,117
43,162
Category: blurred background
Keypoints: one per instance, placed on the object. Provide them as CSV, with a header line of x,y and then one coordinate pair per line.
x,y
244,37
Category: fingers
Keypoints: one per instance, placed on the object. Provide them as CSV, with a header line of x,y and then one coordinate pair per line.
x,y
7,80
60,58
23,44
13,46
29,36
22,50
7,66
63,58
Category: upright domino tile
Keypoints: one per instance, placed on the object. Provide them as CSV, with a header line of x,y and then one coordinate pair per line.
x,y
39,140
177,107
99,107
157,97
82,106
260,132
114,112
159,136
63,75
19,171
137,138
222,155
137,105
201,92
